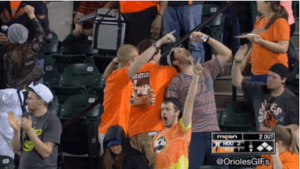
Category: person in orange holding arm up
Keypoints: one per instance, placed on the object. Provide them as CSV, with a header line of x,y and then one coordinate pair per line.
x,y
118,87
287,155
270,39
171,146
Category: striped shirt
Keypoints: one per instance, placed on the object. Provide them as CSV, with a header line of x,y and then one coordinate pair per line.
x,y
204,117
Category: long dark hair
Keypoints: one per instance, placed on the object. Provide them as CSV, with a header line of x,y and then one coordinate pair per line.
x,y
19,53
286,135
110,159
280,12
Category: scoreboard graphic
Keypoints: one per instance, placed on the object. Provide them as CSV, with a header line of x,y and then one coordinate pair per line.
x,y
243,142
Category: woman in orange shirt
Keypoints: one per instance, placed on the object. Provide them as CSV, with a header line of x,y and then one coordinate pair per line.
x,y
287,155
270,39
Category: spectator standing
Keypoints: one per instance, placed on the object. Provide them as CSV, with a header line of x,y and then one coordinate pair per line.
x,y
171,145
270,40
145,119
288,7
143,19
273,103
184,16
20,60
204,119
14,12
38,132
118,88
118,152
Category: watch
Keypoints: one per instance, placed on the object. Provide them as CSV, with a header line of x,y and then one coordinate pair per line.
x,y
205,38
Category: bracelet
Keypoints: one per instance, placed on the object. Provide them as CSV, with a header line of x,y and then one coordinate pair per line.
x,y
160,15
205,38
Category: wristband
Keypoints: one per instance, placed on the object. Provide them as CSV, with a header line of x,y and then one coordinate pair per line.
x,y
205,38
160,15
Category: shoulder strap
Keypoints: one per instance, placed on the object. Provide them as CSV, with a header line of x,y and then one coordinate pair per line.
x,y
21,102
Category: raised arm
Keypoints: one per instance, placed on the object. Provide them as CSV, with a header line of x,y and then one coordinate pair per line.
x,y
189,102
224,53
109,69
277,47
147,54
239,64
40,36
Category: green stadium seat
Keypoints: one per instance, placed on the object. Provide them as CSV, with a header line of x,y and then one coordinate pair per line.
x,y
51,44
82,48
64,60
54,106
6,162
102,62
238,116
83,133
51,72
77,79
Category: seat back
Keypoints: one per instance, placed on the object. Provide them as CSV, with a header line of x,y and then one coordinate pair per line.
x,y
238,116
64,60
293,81
87,49
54,106
6,162
51,44
51,75
74,104
80,75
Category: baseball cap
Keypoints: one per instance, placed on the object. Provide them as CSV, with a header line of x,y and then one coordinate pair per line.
x,y
42,91
113,142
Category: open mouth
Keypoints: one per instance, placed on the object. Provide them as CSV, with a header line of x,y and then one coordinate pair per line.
x,y
165,118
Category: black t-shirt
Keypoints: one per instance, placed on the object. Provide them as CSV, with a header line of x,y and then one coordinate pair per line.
x,y
284,107
48,128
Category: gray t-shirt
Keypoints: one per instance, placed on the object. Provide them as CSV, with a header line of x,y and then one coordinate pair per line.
x,y
283,110
48,128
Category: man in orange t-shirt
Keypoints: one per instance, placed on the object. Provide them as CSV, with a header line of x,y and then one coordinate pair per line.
x,y
145,120
171,146
118,87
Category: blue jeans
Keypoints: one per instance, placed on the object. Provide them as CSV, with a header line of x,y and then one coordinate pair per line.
x,y
41,64
200,151
184,19
259,78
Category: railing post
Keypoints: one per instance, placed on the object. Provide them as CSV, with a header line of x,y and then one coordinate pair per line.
x,y
234,90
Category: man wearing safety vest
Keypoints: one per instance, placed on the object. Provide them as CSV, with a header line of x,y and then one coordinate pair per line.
x,y
143,19
184,16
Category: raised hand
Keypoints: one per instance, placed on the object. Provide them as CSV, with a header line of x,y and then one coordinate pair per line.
x,y
26,123
198,68
197,37
241,53
29,10
14,123
166,39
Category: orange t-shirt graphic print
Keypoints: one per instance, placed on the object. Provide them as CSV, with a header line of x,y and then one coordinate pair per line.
x,y
116,101
147,118
171,147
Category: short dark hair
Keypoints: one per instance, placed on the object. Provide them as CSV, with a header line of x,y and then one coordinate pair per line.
x,y
176,103
144,45
172,59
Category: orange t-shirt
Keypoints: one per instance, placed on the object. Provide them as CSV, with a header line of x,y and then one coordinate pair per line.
x,y
14,5
136,6
171,147
147,118
116,101
288,160
261,57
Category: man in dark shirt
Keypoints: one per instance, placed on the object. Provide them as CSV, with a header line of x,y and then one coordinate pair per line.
x,y
38,132
14,12
273,103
